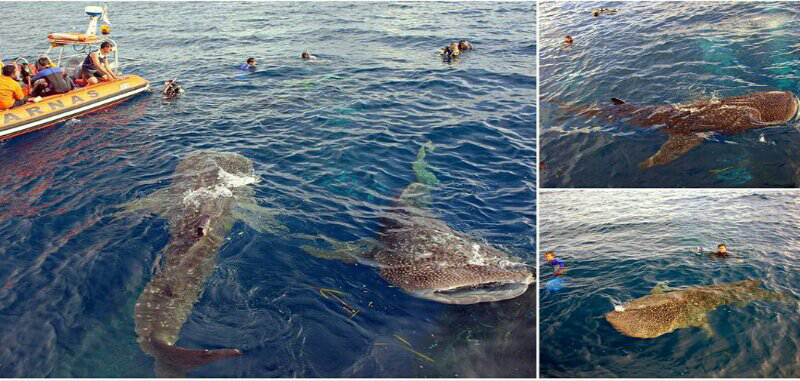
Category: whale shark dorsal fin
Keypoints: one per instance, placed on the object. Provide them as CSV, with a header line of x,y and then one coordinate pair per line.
x,y
617,101
420,166
660,288
675,146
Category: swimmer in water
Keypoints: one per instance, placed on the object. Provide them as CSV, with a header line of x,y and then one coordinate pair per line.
x,y
599,11
722,251
306,56
568,40
450,51
558,264
250,65
464,46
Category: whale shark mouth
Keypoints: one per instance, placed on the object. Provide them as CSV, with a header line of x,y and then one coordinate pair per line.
x,y
475,293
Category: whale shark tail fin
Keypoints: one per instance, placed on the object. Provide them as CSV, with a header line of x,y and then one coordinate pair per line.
x,y
617,101
675,146
173,361
420,166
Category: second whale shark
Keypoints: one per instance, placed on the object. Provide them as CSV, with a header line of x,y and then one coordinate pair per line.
x,y
427,258
686,124
663,312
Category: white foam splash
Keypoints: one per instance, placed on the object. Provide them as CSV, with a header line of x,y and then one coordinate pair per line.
x,y
228,182
234,181
475,257
619,308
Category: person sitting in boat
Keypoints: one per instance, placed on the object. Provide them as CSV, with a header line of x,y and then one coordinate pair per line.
x,y
11,94
95,66
50,80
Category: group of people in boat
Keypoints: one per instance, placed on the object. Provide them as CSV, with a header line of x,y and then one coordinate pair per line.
x,y
19,84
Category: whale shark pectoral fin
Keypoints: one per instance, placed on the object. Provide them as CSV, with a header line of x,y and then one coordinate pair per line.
x,y
707,327
617,101
259,218
675,146
347,252
155,203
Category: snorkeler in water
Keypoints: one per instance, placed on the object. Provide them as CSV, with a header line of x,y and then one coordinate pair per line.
x,y
306,56
600,11
722,251
558,265
250,65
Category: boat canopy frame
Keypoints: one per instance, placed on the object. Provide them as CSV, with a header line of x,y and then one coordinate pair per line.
x,y
60,45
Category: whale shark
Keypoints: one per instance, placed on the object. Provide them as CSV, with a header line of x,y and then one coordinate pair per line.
x,y
687,124
200,205
424,256
663,312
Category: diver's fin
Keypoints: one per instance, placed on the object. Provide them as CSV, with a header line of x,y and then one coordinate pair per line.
x,y
675,146
617,101
257,217
347,252
172,361
420,166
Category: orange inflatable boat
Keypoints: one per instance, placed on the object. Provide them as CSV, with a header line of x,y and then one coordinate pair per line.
x,y
80,100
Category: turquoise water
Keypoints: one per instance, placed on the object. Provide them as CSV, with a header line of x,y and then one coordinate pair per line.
x,y
618,245
332,142
660,53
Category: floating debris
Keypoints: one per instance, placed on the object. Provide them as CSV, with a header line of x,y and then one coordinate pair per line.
x,y
329,293
721,170
406,347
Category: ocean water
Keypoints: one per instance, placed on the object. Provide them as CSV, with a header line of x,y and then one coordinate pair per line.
x,y
618,245
664,53
332,142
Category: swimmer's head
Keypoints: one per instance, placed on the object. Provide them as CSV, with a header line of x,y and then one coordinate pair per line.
x,y
549,256
722,249
305,55
568,40
251,62
464,45
454,50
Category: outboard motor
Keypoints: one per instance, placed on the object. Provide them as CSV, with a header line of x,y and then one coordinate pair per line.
x,y
72,67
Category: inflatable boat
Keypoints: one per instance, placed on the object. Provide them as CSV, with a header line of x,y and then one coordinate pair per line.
x,y
84,98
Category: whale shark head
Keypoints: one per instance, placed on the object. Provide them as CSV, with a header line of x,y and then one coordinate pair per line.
x,y
216,162
429,260
481,288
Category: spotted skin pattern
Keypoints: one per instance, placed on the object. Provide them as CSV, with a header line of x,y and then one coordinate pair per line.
x,y
658,314
682,122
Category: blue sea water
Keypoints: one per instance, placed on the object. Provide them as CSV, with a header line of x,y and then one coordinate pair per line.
x,y
618,245
660,53
332,142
